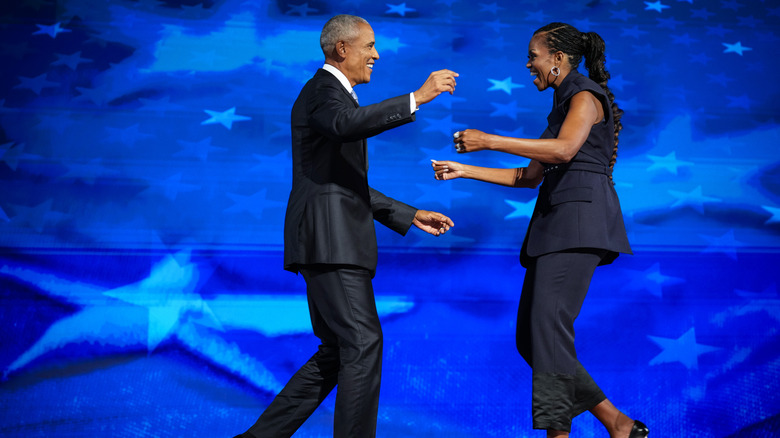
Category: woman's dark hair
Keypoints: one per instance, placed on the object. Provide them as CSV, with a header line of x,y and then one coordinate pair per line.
x,y
576,45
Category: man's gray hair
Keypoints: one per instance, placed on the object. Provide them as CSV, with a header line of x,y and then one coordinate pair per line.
x,y
339,28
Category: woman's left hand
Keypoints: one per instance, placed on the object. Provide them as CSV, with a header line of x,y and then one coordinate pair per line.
x,y
470,140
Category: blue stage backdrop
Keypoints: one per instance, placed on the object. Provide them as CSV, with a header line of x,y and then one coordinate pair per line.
x,y
145,168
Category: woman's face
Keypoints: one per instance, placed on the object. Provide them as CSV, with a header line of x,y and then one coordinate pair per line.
x,y
540,62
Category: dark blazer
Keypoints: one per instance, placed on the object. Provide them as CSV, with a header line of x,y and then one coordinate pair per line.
x,y
331,210
577,206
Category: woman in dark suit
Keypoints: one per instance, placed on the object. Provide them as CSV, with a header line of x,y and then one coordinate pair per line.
x,y
576,225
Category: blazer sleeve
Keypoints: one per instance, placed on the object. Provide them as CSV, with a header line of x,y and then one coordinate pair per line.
x,y
335,114
391,213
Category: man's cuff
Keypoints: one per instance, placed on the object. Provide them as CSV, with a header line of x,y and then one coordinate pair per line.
x,y
412,103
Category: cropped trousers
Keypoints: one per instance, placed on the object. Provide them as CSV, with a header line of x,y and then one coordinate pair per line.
x,y
554,289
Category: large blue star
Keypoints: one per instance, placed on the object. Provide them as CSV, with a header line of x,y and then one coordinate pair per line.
x,y
683,349
726,244
72,60
653,280
775,218
36,84
521,209
389,44
302,10
399,9
655,6
694,199
51,30
737,48
505,85
141,315
165,305
668,162
225,118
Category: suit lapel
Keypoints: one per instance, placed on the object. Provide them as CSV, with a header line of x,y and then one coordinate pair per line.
x,y
329,76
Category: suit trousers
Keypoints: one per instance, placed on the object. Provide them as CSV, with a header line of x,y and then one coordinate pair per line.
x,y
344,317
554,290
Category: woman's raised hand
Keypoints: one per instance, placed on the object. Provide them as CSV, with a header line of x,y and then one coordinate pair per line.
x,y
447,170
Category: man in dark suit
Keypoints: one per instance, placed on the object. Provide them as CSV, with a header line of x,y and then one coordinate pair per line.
x,y
329,232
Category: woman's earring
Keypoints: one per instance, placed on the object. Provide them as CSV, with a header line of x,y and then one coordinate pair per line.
x,y
555,71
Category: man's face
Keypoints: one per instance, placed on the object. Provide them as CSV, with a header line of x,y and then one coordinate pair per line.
x,y
359,56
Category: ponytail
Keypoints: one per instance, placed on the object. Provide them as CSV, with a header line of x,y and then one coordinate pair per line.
x,y
595,61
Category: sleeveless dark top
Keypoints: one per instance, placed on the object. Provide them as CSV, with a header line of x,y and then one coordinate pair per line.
x,y
577,206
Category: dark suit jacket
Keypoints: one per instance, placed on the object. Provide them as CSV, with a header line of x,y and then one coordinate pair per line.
x,y
331,209
577,206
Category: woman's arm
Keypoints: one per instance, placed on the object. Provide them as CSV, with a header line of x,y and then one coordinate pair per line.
x,y
584,111
527,177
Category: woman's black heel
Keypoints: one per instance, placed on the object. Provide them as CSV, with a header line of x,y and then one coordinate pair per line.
x,y
639,430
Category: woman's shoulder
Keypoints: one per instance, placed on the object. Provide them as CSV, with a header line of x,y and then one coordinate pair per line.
x,y
580,82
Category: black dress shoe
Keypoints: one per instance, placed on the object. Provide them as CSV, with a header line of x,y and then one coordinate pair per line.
x,y
639,430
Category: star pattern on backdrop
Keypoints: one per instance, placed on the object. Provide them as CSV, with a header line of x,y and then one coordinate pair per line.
x,y
506,85
225,118
303,10
726,244
50,30
521,209
166,306
668,162
775,212
108,142
399,9
694,199
737,48
684,350
656,6
653,280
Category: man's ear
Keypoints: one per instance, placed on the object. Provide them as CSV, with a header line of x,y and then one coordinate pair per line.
x,y
339,50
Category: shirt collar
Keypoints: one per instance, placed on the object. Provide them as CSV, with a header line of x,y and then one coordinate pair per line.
x,y
339,75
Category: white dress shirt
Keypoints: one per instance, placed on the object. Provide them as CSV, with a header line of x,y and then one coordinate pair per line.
x,y
345,82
